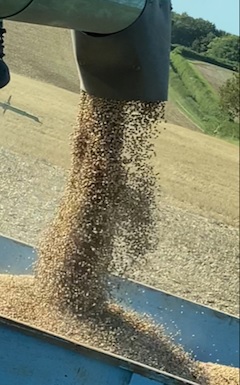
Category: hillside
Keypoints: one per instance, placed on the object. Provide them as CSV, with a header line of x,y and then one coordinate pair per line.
x,y
194,87
205,168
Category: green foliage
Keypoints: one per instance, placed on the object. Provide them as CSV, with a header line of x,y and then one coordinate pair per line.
x,y
199,98
196,34
201,44
226,47
199,88
198,39
190,54
229,97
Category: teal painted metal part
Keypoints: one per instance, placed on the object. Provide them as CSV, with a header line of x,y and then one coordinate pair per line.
x,y
98,16
29,356
211,336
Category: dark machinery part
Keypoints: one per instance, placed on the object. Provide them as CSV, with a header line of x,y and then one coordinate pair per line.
x,y
130,64
4,71
99,16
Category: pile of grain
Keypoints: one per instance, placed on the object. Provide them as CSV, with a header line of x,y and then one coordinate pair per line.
x,y
141,341
221,374
116,330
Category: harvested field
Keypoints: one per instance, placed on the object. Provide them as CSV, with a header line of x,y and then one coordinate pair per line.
x,y
183,235
215,75
54,62
197,172
51,61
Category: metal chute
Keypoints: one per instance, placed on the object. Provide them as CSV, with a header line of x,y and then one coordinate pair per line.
x,y
122,47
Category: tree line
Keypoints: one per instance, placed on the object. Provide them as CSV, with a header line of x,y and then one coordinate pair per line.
x,y
203,37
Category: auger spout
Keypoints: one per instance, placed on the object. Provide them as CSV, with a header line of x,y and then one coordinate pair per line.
x,y
99,16
122,47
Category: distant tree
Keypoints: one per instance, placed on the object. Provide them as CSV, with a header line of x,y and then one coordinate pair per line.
x,y
201,44
229,96
193,33
225,47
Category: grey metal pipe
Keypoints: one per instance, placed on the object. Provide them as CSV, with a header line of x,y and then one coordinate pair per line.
x,y
4,71
96,16
132,64
122,47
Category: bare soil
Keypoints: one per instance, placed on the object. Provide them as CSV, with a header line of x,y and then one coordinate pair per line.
x,y
215,75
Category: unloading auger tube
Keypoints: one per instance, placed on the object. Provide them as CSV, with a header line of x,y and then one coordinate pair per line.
x,y
122,47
